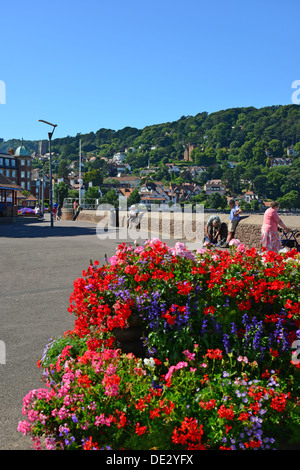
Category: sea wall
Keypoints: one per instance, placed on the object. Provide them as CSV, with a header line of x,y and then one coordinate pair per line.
x,y
183,227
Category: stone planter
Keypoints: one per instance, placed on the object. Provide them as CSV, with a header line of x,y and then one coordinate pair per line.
x,y
67,214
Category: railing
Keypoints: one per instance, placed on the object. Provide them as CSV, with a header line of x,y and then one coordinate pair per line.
x,y
93,204
86,204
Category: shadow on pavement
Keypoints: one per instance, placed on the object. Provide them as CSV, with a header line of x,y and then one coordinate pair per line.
x,y
28,227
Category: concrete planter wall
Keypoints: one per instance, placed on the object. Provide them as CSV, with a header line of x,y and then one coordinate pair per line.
x,y
67,214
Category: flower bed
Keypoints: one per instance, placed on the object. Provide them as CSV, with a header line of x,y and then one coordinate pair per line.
x,y
216,372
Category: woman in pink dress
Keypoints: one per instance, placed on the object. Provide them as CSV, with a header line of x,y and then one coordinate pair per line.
x,y
269,233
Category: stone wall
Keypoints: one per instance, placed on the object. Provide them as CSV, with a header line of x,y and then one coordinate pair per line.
x,y
171,225
249,234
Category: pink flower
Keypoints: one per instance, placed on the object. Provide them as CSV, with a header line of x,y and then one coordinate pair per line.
x,y
113,260
201,251
241,248
189,355
243,359
178,366
24,427
102,420
50,443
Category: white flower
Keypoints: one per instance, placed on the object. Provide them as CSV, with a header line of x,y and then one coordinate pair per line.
x,y
234,241
149,362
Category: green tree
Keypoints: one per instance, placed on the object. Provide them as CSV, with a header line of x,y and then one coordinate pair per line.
x,y
110,198
275,147
134,198
255,205
246,150
216,201
60,192
290,200
73,193
275,180
259,183
63,170
93,176
259,153
92,193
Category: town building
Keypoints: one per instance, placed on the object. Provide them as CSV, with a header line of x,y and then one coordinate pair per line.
x,y
283,161
183,192
154,193
291,152
214,186
17,167
125,181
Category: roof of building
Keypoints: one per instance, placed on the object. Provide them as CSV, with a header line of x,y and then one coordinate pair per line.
x,y
22,151
6,183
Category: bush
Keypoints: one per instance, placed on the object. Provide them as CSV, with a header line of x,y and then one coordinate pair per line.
x,y
218,371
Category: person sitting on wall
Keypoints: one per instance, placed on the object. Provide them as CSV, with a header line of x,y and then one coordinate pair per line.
x,y
132,216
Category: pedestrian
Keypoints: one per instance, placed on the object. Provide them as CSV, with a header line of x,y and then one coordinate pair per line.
x,y
234,219
213,228
269,231
76,213
58,214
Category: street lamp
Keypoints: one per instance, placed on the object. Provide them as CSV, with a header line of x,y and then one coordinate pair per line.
x,y
50,134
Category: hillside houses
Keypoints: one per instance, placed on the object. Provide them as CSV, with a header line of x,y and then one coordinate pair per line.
x,y
214,186
184,192
283,161
125,181
165,182
154,193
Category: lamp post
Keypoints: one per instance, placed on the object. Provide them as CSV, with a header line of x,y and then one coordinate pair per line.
x,y
50,134
43,190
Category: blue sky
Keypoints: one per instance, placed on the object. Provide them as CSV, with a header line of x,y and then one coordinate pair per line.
x,y
86,65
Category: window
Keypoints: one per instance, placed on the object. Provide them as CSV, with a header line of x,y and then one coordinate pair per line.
x,y
28,174
13,173
28,185
28,162
7,162
22,174
1,171
13,162
7,173
23,162
23,184
1,161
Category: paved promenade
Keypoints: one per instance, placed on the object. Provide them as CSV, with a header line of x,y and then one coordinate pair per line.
x,y
38,265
